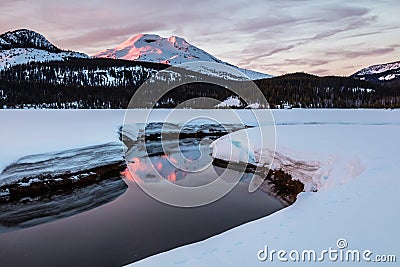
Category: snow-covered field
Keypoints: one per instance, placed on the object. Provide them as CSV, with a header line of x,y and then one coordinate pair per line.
x,y
362,210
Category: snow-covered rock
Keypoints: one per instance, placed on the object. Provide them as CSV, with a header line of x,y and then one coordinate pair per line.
x,y
56,164
173,50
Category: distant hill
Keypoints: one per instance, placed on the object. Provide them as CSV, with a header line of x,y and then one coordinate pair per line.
x,y
388,73
110,83
311,91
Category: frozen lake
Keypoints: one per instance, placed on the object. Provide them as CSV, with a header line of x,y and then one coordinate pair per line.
x,y
134,225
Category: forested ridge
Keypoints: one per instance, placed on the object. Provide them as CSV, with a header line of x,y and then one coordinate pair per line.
x,y
110,83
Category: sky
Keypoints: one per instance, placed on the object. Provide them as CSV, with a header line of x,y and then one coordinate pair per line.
x,y
329,37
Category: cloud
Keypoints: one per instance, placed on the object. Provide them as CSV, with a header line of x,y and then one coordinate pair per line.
x,y
362,53
269,22
295,63
98,37
349,18
321,72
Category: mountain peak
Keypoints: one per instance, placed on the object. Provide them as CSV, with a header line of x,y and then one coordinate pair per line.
x,y
173,50
153,48
24,38
23,46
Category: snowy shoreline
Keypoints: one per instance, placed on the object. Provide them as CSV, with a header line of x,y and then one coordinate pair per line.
x,y
40,174
362,210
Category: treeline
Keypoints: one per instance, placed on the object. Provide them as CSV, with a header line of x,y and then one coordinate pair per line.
x,y
109,83
310,91
40,95
37,95
95,83
83,72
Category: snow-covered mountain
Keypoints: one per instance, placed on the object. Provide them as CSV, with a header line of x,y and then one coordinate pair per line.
x,y
389,72
26,39
172,50
23,46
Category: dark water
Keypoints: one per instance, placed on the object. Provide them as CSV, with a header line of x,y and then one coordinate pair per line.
x,y
134,225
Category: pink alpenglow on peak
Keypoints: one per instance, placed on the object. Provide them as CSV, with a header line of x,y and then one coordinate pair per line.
x,y
173,50
154,48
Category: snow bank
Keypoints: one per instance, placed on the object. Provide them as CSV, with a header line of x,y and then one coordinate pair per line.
x,y
316,173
